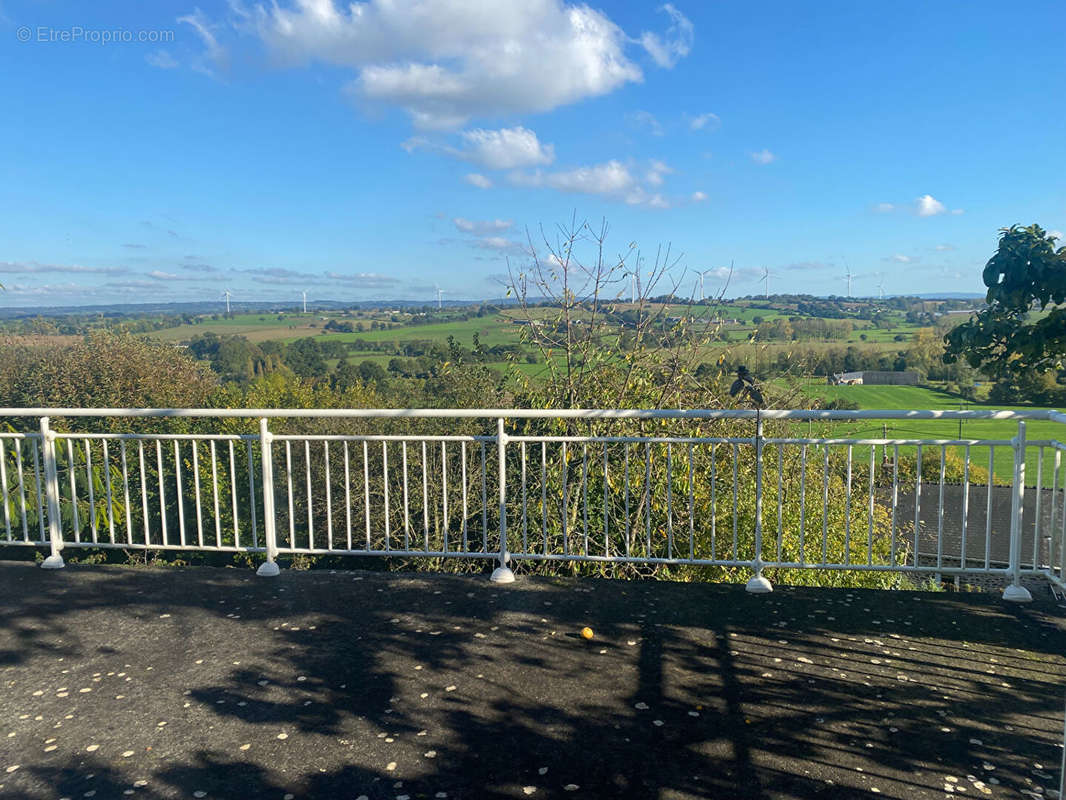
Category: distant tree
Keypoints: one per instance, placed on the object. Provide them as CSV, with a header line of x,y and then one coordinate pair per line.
x,y
1005,340
304,357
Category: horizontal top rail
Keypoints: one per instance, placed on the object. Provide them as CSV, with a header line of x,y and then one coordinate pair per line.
x,y
537,413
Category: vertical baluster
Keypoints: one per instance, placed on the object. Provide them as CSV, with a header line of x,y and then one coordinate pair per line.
x,y
177,489
525,504
233,494
780,498
629,528
385,470
20,471
647,496
1037,504
803,503
196,491
825,505
1051,521
965,505
110,504
895,498
162,492
307,488
92,495
347,496
917,501
40,490
847,511
406,515
870,530
329,496
465,503
251,490
366,490
3,489
736,480
669,501
214,494
126,495
566,504
691,507
606,505
544,493
940,511
988,508
714,500
425,498
444,493
484,500
585,492
73,491
289,488
144,493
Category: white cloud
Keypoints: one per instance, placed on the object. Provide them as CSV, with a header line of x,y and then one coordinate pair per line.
x,y
655,173
498,243
764,156
506,148
363,280
446,62
928,206
705,122
957,211
646,119
161,59
34,267
481,228
1055,234
478,180
611,179
899,258
214,55
884,208
699,197
667,50
944,247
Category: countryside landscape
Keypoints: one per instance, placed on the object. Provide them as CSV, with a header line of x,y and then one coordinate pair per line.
x,y
455,399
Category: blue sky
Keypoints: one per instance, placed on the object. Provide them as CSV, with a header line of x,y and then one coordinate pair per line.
x,y
380,149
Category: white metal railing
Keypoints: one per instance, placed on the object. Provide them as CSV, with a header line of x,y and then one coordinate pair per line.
x,y
662,487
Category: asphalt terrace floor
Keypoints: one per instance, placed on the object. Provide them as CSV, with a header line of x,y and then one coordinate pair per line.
x,y
202,682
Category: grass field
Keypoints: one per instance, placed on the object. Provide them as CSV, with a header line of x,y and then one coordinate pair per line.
x,y
896,398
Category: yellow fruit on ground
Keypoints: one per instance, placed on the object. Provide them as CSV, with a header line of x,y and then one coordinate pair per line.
x,y
586,633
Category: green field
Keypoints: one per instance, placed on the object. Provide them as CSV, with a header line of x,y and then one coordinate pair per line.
x,y
920,398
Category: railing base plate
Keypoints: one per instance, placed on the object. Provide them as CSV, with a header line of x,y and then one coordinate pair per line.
x,y
502,575
1017,594
759,585
268,569
53,562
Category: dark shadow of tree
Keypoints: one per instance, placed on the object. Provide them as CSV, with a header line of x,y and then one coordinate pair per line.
x,y
804,693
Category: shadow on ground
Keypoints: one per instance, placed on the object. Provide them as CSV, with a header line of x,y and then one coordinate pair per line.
x,y
205,682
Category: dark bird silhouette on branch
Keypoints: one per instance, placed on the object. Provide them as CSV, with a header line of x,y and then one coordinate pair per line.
x,y
745,385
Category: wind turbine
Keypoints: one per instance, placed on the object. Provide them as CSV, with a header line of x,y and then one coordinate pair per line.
x,y
440,302
848,276
305,300
766,283
881,285
227,294
703,274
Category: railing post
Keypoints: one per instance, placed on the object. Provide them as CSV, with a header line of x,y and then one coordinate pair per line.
x,y
758,584
269,567
1015,592
51,490
502,573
